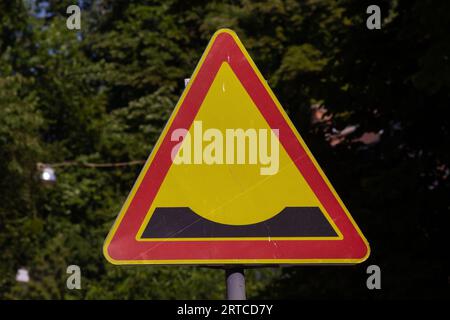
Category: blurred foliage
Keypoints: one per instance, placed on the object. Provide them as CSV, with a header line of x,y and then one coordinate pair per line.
x,y
103,94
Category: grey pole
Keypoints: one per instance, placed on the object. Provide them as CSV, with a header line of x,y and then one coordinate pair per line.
x,y
235,283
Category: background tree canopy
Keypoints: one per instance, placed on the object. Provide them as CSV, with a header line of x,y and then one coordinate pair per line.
x,y
104,93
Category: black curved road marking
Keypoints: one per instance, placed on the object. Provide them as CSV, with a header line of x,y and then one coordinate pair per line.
x,y
182,222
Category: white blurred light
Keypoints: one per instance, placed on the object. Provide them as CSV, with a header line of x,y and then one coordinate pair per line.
x,y
22,275
48,174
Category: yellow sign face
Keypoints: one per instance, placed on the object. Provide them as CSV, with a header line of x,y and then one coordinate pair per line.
x,y
231,181
245,196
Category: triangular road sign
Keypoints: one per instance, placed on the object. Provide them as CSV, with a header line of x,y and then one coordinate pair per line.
x,y
230,181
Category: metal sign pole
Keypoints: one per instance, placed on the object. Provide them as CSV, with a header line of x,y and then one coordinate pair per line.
x,y
235,281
